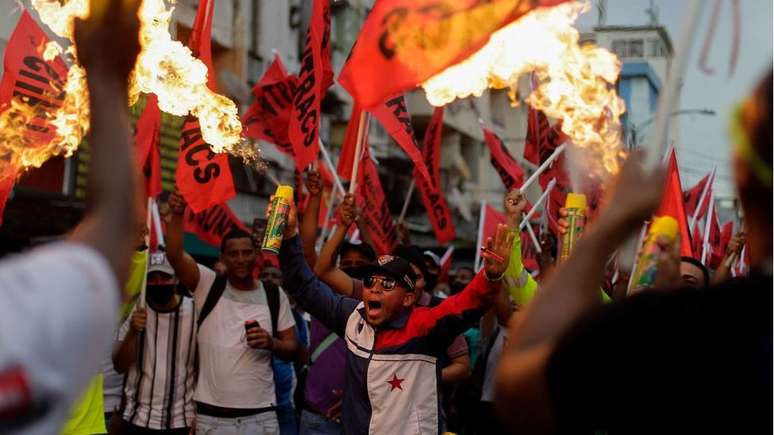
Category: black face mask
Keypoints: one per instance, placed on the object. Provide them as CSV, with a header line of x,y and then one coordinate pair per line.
x,y
457,287
161,294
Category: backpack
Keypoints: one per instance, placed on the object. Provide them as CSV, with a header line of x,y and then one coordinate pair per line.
x,y
219,286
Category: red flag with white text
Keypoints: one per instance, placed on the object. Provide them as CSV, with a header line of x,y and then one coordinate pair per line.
x,y
431,192
202,176
304,126
405,42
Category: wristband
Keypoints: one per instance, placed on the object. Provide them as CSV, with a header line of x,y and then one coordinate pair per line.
x,y
493,280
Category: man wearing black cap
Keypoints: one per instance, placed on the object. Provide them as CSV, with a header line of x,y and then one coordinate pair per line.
x,y
393,379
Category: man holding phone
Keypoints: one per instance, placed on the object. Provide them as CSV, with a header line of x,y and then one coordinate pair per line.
x,y
242,323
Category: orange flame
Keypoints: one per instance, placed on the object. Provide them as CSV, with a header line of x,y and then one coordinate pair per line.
x,y
164,67
576,83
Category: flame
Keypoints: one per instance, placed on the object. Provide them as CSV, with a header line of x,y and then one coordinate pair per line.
x,y
576,83
164,67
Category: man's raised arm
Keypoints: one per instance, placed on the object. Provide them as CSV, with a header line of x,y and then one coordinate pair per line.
x,y
186,269
326,268
111,202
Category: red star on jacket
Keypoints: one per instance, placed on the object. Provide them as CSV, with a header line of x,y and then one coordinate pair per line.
x,y
395,383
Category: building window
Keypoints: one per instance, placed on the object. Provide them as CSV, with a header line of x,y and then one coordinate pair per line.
x,y
636,48
619,48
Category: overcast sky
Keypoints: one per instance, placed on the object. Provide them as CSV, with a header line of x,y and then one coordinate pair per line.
x,y
704,138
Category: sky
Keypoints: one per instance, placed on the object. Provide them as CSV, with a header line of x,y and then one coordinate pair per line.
x,y
704,139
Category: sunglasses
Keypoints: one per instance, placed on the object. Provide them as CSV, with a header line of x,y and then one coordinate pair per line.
x,y
387,283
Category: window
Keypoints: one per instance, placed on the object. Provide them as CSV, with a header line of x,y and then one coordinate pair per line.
x,y
619,48
636,48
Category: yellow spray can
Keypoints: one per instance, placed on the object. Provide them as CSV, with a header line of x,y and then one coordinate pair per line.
x,y
275,225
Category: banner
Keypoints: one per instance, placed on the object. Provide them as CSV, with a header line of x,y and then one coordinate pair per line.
x,y
147,143
506,166
405,42
304,127
268,117
32,81
394,117
672,205
375,212
203,177
212,224
430,189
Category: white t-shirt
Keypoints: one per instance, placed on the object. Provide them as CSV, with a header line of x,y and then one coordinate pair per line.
x,y
59,307
159,392
232,374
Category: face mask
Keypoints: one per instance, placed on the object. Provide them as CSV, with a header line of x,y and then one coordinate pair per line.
x,y
457,287
161,294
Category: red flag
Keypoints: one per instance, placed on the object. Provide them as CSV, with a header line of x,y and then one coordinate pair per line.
x,y
556,198
405,42
696,244
396,120
430,190
542,138
305,114
6,186
203,177
200,41
719,249
505,165
692,197
672,205
212,224
34,82
348,147
376,214
147,140
269,116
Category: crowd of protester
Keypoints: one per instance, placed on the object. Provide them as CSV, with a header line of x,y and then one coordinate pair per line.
x,y
342,340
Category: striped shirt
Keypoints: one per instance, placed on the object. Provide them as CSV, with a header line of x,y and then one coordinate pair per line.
x,y
160,395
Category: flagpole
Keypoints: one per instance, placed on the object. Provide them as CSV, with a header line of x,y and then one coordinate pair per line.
x,y
532,236
403,211
328,215
542,168
362,132
540,200
640,239
479,241
148,218
704,191
669,95
329,163
157,224
707,224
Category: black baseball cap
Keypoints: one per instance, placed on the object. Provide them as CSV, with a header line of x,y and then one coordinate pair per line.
x,y
393,267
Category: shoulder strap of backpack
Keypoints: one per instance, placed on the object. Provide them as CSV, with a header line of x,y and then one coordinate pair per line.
x,y
216,291
273,300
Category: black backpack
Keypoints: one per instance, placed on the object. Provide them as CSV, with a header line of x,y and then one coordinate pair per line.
x,y
219,286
